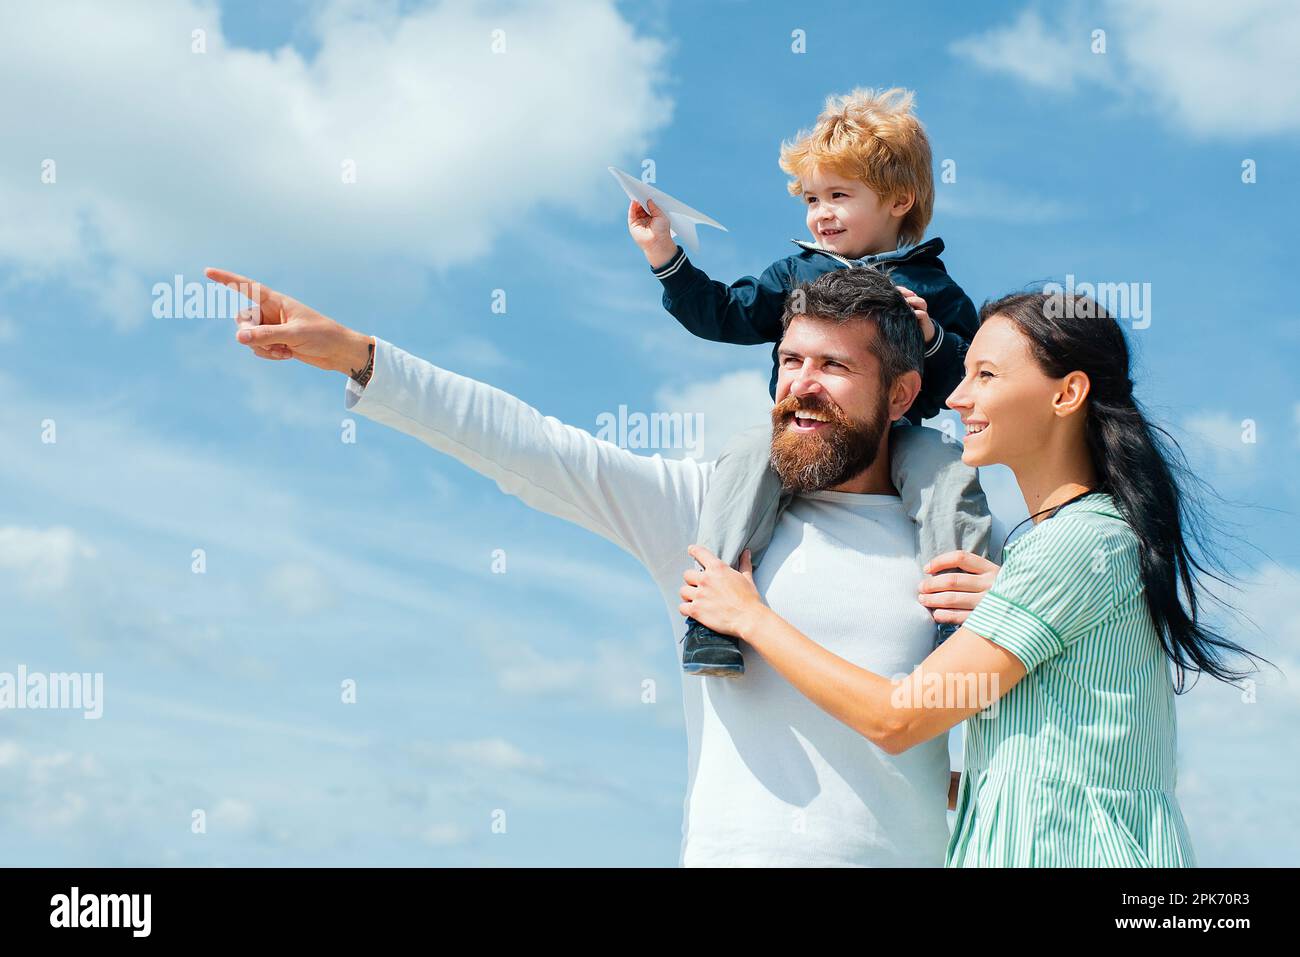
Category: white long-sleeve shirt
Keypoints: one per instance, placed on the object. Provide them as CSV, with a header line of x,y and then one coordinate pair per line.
x,y
772,779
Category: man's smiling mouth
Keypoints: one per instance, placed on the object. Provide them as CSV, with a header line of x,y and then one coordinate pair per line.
x,y
806,420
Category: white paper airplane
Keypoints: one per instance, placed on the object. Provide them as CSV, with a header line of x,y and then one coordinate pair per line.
x,y
681,218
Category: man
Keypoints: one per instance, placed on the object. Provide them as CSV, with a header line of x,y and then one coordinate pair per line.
x,y
772,779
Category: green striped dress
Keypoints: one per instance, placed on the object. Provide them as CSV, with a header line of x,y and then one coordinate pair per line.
x,y
1074,766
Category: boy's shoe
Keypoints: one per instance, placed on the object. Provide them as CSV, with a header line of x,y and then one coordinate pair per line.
x,y
709,654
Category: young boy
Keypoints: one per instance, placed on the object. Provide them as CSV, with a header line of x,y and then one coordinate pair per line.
x,y
864,174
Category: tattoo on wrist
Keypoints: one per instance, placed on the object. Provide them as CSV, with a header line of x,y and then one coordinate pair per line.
x,y
362,375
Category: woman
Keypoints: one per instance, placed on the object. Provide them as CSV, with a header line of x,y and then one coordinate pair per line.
x,y
1063,666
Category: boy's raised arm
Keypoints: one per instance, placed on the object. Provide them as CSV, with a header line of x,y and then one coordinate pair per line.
x,y
747,312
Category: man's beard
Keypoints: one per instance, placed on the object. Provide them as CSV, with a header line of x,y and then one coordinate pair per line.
x,y
830,456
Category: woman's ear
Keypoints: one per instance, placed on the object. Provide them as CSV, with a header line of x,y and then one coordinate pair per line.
x,y
1072,394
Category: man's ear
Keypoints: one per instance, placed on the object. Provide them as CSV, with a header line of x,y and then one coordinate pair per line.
x,y
903,393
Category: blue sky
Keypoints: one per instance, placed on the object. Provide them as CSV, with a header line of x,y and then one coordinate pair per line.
x,y
521,693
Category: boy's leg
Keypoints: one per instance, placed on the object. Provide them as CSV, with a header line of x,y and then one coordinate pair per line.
x,y
742,503
740,510
941,494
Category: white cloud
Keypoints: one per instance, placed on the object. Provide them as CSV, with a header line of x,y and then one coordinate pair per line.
x,y
43,560
167,158
607,672
47,791
238,721
483,769
231,814
473,352
494,753
445,835
1055,56
1235,793
195,498
1215,69
268,394
556,571
299,589
1223,439
1217,428
443,489
730,404
992,202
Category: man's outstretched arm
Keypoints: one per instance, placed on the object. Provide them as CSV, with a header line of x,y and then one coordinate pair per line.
x,y
647,505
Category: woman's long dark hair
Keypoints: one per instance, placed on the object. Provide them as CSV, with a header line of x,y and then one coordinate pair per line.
x,y
1139,464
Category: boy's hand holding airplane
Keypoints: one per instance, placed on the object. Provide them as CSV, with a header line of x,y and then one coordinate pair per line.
x,y
650,230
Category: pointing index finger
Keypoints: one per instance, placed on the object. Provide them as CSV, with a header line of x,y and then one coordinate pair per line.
x,y
249,288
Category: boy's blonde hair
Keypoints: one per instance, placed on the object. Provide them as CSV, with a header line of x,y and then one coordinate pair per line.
x,y
871,136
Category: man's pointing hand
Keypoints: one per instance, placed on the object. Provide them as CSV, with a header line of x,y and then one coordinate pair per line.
x,y
291,330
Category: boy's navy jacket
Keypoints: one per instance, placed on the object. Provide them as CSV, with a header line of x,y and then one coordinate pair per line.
x,y
749,310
